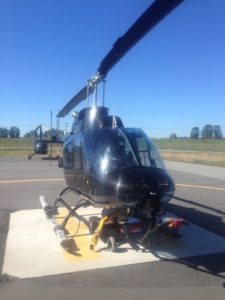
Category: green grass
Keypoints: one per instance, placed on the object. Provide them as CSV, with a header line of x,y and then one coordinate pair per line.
x,y
21,142
199,157
21,147
207,152
190,145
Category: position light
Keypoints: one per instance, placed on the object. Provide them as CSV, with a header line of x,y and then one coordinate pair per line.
x,y
175,224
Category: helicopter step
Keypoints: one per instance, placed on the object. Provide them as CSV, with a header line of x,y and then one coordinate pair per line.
x,y
114,227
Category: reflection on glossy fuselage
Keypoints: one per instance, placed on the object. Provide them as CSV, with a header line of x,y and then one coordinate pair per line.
x,y
115,166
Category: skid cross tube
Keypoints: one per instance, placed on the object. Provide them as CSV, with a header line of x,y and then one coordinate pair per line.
x,y
72,212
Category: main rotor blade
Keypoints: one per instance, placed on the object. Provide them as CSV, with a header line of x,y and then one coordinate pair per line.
x,y
82,95
149,19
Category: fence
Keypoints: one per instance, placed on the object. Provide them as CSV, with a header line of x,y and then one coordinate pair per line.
x,y
218,146
25,151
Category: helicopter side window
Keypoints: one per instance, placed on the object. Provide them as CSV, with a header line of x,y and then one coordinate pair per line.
x,y
145,151
77,151
91,147
68,154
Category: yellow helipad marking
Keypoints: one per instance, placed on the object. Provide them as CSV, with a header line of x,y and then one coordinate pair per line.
x,y
80,235
200,186
30,180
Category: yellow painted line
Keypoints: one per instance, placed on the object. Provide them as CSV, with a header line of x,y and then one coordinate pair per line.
x,y
200,186
82,240
30,180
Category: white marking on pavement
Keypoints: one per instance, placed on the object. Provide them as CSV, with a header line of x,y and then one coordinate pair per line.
x,y
30,180
200,186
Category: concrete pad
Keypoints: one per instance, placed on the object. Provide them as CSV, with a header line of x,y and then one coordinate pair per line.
x,y
197,169
32,249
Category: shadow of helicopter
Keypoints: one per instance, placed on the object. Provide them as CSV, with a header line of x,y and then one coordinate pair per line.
x,y
209,221
213,264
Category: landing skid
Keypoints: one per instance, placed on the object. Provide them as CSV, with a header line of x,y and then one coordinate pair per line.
x,y
114,226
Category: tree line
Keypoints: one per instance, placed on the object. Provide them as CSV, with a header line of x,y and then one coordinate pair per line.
x,y
208,132
13,132
46,134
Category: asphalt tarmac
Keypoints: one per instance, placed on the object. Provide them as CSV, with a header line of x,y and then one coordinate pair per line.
x,y
199,198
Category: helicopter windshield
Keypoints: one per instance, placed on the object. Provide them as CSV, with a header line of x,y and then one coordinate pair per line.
x,y
108,149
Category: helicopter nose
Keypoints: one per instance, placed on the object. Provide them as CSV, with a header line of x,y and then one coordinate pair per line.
x,y
135,185
130,186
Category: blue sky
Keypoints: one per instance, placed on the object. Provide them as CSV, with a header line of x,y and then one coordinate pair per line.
x,y
173,80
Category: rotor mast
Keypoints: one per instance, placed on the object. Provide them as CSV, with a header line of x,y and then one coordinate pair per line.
x,y
92,85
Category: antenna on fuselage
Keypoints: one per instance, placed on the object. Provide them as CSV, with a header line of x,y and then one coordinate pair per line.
x,y
114,122
65,130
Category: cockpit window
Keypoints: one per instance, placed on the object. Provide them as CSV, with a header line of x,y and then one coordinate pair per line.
x,y
145,151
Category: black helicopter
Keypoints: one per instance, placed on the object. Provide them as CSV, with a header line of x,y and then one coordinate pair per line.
x,y
40,145
109,165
